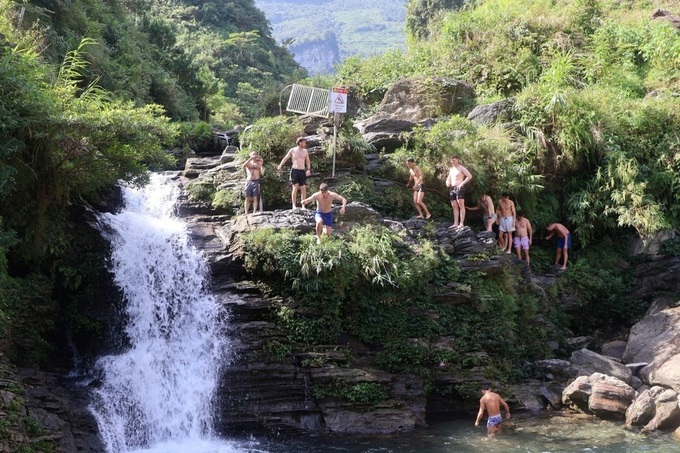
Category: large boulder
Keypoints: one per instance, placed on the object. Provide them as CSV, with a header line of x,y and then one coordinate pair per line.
x,y
655,408
587,362
661,276
411,102
649,245
655,340
419,98
492,113
605,396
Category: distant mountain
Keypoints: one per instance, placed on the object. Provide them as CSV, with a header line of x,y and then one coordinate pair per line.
x,y
321,33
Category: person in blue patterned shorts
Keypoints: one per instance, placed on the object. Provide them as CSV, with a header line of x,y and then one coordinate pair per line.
x,y
491,402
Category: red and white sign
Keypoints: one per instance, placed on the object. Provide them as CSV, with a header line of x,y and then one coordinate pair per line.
x,y
337,100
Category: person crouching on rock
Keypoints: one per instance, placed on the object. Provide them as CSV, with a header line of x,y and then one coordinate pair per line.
x,y
323,215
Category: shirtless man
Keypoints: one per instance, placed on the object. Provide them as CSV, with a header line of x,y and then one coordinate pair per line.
x,y
323,215
455,181
488,212
302,168
563,242
523,235
491,402
506,222
416,175
253,168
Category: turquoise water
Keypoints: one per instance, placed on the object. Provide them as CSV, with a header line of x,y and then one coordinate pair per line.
x,y
550,435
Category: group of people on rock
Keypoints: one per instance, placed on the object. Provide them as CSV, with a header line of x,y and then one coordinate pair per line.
x,y
300,171
510,222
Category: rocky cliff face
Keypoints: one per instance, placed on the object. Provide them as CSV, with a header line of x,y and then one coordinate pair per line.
x,y
318,55
264,389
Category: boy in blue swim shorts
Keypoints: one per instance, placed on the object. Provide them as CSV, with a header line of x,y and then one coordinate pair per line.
x,y
324,214
491,402
563,242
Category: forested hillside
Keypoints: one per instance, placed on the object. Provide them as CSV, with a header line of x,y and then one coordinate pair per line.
x,y
196,59
321,34
594,89
91,92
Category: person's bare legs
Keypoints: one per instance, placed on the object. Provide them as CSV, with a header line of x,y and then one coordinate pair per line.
x,y
489,224
247,204
566,257
416,203
526,252
558,256
518,250
319,230
303,190
454,207
461,208
420,204
256,205
293,195
328,230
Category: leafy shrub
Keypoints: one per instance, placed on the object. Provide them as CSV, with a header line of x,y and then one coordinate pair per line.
x,y
201,191
226,199
601,284
272,137
670,247
363,392
276,350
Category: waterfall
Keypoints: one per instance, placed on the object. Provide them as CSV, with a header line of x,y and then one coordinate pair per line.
x,y
159,391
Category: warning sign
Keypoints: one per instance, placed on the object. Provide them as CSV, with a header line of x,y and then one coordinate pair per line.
x,y
337,100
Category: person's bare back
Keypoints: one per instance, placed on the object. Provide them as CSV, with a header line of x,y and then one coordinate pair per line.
x,y
491,403
559,229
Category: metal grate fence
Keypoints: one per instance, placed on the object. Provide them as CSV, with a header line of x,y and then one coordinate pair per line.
x,y
308,100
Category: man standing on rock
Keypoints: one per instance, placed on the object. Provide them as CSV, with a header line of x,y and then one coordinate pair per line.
x,y
323,215
506,222
302,168
416,175
563,242
253,168
491,402
523,236
455,181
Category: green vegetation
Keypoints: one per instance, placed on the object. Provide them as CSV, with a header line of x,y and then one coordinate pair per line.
x,y
370,393
373,287
91,93
595,87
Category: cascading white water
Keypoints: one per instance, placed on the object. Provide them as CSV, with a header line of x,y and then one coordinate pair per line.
x,y
160,390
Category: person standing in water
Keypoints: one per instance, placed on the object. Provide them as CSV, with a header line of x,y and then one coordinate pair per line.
x,y
416,176
491,403
301,170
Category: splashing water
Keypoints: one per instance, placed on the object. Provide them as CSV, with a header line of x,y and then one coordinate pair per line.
x,y
160,390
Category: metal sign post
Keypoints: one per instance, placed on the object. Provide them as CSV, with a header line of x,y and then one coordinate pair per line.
x,y
337,103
